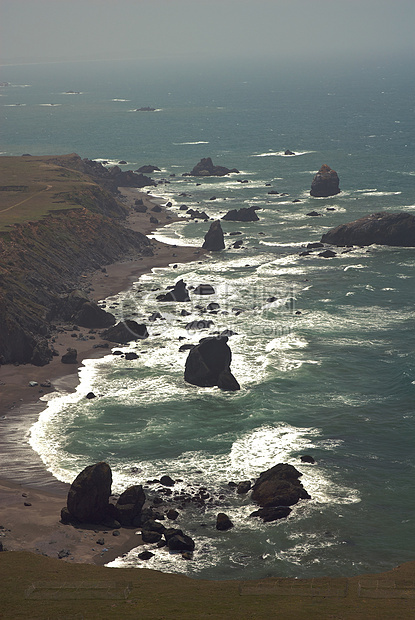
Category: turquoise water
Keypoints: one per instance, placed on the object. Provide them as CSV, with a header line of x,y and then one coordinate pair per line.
x,y
327,369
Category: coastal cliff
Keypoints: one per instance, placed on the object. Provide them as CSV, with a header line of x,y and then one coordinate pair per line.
x,y
56,223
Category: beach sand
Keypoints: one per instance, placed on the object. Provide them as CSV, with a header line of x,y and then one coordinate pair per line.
x,y
24,477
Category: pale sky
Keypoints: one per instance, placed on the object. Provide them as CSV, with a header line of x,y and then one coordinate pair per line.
x,y
37,30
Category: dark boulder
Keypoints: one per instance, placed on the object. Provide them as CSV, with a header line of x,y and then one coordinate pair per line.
x,y
131,355
130,504
223,522
245,214
208,365
91,315
314,214
70,357
178,293
198,325
195,214
384,228
89,494
204,289
148,169
125,331
167,481
325,183
214,240
272,513
181,542
288,152
243,487
149,536
307,458
327,254
279,486
41,354
205,168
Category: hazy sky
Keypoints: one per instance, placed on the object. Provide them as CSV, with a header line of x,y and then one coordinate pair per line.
x,y
33,30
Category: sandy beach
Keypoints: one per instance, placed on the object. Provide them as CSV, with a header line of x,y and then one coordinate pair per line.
x,y
30,497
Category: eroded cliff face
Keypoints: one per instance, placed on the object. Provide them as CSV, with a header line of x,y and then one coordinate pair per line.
x,y
41,260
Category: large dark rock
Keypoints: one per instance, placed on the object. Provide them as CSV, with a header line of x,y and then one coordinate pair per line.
x,y
384,228
208,365
178,293
181,542
205,168
41,354
148,169
125,331
70,357
223,522
272,513
91,315
130,504
214,240
245,214
89,493
279,486
325,183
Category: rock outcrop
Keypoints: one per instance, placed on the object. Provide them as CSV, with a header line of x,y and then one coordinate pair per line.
x,y
325,183
214,239
205,168
245,214
384,228
129,505
279,486
178,293
89,494
208,365
125,331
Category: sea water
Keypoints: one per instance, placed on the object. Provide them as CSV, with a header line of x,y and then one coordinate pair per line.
x,y
323,348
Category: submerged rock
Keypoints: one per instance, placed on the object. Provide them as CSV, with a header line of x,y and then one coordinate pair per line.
x,y
325,183
208,365
384,228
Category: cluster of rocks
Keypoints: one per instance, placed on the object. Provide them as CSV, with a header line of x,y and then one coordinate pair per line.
x,y
90,501
206,168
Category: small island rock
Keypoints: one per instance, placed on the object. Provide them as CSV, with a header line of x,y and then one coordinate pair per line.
x,y
325,183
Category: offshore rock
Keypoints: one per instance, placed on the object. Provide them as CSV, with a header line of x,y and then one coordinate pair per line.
x,y
245,214
272,513
325,183
89,494
125,331
214,240
208,365
223,522
205,168
384,228
279,486
178,293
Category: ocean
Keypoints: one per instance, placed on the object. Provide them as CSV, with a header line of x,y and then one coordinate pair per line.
x,y
327,368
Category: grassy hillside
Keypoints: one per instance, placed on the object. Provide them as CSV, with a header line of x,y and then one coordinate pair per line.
x,y
56,222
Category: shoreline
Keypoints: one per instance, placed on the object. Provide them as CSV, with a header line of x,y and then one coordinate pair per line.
x,y
24,477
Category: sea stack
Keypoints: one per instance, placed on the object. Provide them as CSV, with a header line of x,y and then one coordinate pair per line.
x,y
208,365
325,183
384,228
214,241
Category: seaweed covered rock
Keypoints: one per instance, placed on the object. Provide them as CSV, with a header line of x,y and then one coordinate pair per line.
x,y
208,365
89,494
325,183
279,486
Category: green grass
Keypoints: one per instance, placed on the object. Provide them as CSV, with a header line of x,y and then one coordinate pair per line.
x,y
33,586
32,187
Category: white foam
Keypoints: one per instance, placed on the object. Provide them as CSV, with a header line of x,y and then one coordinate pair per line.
x,y
196,142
